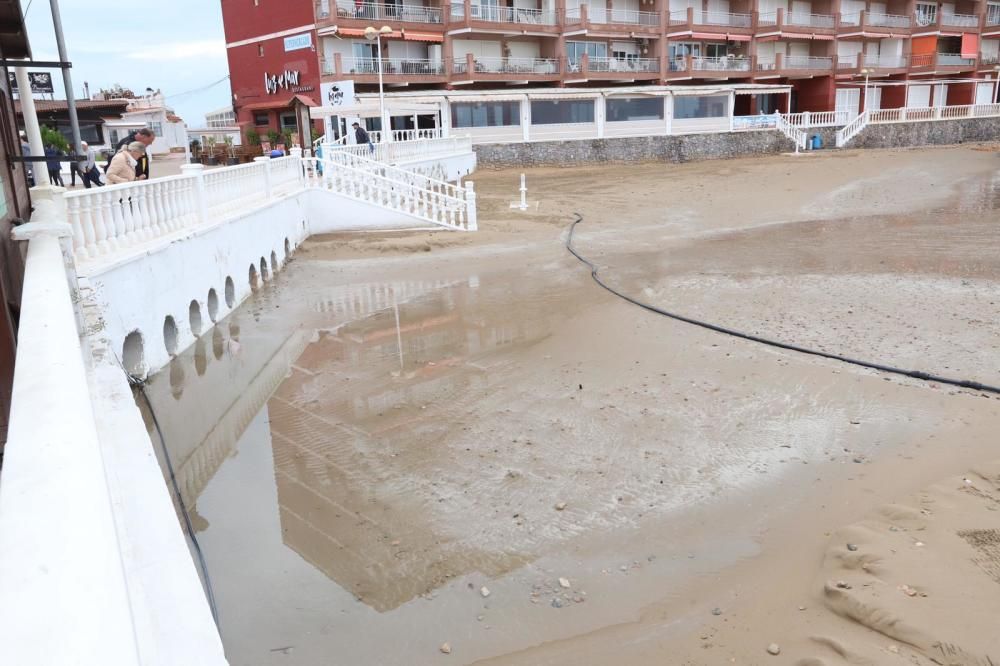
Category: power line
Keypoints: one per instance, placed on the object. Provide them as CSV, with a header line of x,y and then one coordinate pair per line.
x,y
28,8
197,90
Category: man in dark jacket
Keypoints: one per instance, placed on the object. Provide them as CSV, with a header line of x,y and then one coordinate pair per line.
x,y
144,136
361,136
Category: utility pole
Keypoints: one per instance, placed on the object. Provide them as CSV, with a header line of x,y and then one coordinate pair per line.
x,y
74,122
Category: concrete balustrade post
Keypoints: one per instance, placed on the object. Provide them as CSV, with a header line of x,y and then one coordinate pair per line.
x,y
470,207
297,153
266,162
197,171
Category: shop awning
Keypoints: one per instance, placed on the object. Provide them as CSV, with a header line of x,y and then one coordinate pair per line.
x,y
280,104
412,36
360,32
709,35
737,38
823,37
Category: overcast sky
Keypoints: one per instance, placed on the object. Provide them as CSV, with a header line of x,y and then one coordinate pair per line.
x,y
174,45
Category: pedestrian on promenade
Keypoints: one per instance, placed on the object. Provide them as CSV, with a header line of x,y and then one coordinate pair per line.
x,y
124,165
26,151
53,165
88,168
361,136
145,136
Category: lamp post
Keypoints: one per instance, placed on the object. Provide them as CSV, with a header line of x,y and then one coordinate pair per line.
x,y
372,34
996,86
867,72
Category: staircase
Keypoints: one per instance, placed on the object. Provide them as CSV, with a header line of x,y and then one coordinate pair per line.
x,y
402,190
852,129
798,137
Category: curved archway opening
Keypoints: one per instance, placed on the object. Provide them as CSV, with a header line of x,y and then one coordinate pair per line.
x,y
274,262
170,335
134,355
288,249
265,274
230,292
254,281
213,305
194,318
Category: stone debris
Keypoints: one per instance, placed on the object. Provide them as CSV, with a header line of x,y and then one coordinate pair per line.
x,y
560,506
564,583
445,648
894,649
907,590
774,649
851,547
716,611
485,591
842,585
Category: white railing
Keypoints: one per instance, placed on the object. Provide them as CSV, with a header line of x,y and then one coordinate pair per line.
x,y
851,129
807,62
234,187
723,64
886,20
960,20
460,66
955,60
496,14
903,115
732,20
767,19
513,65
396,189
619,65
817,118
850,19
400,151
991,59
886,61
798,137
810,20
767,65
847,61
619,16
376,11
415,134
993,15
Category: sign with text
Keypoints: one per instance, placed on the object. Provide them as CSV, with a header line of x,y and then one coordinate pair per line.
x,y
286,80
41,82
296,42
338,94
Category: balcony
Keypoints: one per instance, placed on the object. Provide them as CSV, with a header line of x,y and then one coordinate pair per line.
x,y
688,20
615,69
394,70
474,68
794,23
879,65
615,21
368,12
514,20
960,22
697,67
795,66
875,22
987,63
929,63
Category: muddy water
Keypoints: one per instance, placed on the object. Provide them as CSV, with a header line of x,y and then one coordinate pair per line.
x,y
365,445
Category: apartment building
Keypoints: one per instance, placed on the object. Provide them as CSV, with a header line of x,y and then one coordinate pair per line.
x,y
824,49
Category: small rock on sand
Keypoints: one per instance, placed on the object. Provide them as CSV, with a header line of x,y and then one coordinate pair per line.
x,y
851,547
716,611
445,648
564,582
560,506
773,649
485,591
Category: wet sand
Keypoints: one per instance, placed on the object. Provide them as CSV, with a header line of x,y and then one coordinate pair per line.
x,y
439,413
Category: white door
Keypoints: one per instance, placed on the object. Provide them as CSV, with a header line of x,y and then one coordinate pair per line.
x,y
984,93
874,102
849,100
941,95
918,97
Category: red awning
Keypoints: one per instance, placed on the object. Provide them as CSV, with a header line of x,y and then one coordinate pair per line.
x,y
708,35
279,104
360,32
970,46
824,37
412,36
737,38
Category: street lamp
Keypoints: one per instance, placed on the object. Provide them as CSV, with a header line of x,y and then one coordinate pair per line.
x,y
867,72
996,86
373,34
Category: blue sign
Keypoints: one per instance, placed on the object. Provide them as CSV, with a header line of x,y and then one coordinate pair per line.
x,y
296,42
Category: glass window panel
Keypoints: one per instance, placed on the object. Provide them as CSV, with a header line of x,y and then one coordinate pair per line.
x,y
486,114
700,106
635,108
544,112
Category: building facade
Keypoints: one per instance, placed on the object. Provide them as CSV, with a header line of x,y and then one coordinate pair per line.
x,y
824,49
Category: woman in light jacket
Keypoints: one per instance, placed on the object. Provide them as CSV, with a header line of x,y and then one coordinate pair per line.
x,y
122,169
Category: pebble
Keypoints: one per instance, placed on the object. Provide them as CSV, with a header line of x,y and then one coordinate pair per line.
x,y
560,506
894,649
716,611
774,649
445,648
557,603
842,585
479,618
484,591
564,583
908,591
851,547
859,460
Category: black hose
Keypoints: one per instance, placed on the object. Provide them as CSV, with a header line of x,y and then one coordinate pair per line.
x,y
914,374
209,592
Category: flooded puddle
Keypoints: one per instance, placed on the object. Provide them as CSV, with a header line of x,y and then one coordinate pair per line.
x,y
365,446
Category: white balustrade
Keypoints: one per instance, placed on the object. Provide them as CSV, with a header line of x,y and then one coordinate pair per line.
x,y
721,64
621,16
401,151
795,134
880,20
807,62
810,20
817,118
628,65
960,20
234,187
851,129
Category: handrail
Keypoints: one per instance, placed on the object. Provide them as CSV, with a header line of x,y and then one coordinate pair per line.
x,y
377,11
795,134
397,150
851,129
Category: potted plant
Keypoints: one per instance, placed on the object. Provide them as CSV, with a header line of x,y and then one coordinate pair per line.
x,y
289,138
253,138
195,151
273,137
231,158
210,158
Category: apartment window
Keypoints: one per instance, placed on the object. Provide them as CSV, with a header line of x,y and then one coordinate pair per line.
x,y
700,106
683,49
288,121
575,50
486,114
260,50
555,112
716,50
634,108
156,127
260,119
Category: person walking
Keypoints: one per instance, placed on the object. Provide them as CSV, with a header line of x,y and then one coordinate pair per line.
x,y
53,164
124,165
361,136
145,136
26,151
88,168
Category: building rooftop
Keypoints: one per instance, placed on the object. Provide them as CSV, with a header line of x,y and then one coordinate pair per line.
x,y
44,105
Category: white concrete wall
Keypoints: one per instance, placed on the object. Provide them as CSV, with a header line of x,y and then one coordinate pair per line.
x,y
525,49
477,47
135,295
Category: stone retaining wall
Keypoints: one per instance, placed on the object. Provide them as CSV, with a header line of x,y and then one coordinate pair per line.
x,y
693,147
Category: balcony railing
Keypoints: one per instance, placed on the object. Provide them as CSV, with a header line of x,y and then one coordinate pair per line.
x,y
826,21
377,11
807,62
620,16
767,19
494,14
960,20
508,66
955,60
699,17
723,64
886,61
887,20
619,65
991,59
993,15
390,66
